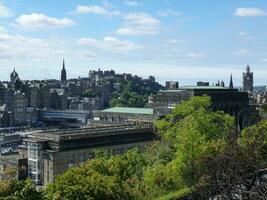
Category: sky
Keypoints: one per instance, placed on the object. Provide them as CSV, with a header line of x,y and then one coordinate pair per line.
x,y
181,40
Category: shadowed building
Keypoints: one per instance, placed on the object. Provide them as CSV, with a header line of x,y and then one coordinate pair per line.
x,y
229,100
248,80
64,118
50,153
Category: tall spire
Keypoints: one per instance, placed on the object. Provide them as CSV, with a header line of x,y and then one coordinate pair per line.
x,y
63,72
248,68
231,85
63,63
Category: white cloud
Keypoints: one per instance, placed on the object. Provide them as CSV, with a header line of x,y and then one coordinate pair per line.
x,y
264,60
89,55
4,11
109,43
95,9
131,3
175,41
41,21
249,12
15,46
2,29
172,41
242,34
139,23
90,9
165,13
242,52
194,55
18,47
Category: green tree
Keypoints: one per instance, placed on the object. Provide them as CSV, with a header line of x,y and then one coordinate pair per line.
x,y
19,190
101,178
90,93
192,130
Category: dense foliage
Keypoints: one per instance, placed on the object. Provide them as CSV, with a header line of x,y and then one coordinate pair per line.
x,y
200,156
133,93
12,189
90,93
169,167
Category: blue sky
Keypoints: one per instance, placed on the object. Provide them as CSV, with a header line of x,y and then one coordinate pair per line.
x,y
183,40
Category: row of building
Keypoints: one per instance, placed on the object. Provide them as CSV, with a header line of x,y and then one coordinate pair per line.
x,y
44,154
22,103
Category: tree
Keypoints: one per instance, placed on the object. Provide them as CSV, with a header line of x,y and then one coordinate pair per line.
x,y
199,156
133,93
90,93
238,171
19,190
192,131
101,178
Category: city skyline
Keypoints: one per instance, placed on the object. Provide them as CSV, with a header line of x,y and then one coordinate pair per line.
x,y
171,40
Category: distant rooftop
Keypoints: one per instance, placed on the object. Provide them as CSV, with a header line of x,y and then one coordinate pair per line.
x,y
144,111
182,88
204,87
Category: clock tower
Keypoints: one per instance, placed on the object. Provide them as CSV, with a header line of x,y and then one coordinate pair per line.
x,y
248,80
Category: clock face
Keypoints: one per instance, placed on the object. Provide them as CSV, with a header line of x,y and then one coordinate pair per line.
x,y
248,78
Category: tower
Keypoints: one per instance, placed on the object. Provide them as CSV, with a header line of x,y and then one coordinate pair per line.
x,y
248,80
231,84
14,76
63,73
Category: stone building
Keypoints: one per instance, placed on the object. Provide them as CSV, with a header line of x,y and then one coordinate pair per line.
x,y
51,153
24,114
5,116
85,103
12,161
231,101
58,99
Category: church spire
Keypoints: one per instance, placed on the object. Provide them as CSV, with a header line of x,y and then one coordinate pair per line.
x,y
63,63
231,85
63,72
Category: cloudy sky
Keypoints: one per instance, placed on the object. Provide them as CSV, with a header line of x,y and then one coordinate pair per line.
x,y
184,40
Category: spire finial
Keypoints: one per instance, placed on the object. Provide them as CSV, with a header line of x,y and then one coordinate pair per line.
x,y
231,85
248,68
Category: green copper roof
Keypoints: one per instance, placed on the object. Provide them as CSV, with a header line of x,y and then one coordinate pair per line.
x,y
144,111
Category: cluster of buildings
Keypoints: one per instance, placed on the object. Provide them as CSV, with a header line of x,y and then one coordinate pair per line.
x,y
47,151
27,103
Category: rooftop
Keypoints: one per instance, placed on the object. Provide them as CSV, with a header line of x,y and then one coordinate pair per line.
x,y
143,111
204,88
183,88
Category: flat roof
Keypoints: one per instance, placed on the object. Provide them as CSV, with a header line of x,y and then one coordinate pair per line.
x,y
143,111
205,87
183,88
